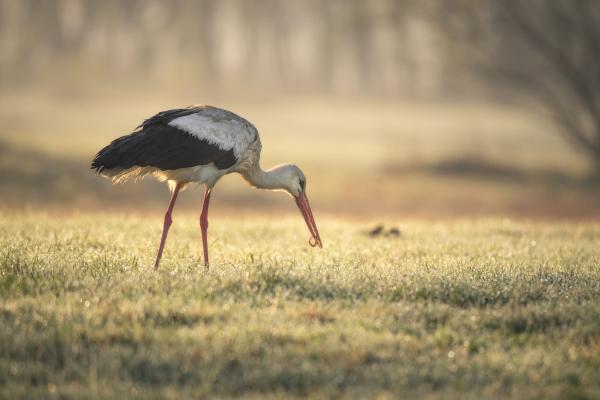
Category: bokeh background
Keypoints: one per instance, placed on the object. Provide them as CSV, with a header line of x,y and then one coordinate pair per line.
x,y
391,107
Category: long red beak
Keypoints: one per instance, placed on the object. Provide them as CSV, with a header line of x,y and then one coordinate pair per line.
x,y
302,202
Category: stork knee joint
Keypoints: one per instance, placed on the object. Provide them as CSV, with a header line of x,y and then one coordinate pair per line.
x,y
204,223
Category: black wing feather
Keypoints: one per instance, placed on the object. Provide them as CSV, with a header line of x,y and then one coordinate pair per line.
x,y
164,117
162,146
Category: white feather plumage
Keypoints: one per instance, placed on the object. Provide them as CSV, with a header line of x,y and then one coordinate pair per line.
x,y
226,134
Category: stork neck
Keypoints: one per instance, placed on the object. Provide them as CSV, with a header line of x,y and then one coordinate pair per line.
x,y
261,179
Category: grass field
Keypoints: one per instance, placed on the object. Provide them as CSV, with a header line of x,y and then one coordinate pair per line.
x,y
460,309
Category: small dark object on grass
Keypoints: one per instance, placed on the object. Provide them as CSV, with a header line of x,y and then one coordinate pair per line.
x,y
378,230
393,232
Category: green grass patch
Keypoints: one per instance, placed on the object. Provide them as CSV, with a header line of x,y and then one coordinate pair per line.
x,y
464,309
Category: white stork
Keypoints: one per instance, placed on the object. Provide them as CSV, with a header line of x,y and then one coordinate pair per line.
x,y
199,144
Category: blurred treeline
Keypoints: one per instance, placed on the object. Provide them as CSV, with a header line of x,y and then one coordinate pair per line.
x,y
379,46
412,48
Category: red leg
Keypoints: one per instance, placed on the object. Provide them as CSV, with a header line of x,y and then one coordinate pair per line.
x,y
167,224
204,224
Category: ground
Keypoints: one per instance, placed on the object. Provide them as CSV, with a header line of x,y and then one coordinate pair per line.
x,y
362,157
489,308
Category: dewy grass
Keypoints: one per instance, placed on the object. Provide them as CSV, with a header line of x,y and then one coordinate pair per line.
x,y
470,309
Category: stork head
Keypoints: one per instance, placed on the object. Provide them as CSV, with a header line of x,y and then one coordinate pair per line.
x,y
293,181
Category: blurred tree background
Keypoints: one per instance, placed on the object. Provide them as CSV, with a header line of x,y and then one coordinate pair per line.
x,y
378,46
546,51
474,105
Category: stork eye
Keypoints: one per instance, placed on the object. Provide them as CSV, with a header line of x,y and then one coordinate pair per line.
x,y
302,184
